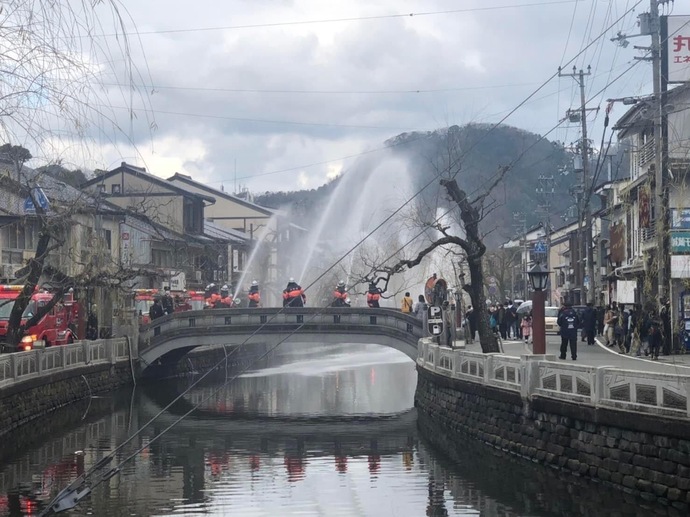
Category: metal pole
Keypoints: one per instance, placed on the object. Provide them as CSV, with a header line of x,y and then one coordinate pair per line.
x,y
589,249
659,201
538,323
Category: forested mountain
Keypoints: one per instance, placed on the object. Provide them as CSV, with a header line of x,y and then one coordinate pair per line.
x,y
479,151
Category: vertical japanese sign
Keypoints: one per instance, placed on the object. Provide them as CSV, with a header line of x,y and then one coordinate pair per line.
x,y
675,47
126,258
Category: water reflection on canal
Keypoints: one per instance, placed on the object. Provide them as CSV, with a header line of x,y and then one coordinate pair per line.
x,y
315,431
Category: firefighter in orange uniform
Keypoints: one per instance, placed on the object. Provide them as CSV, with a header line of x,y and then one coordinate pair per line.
x,y
293,295
373,296
225,299
212,296
340,295
253,295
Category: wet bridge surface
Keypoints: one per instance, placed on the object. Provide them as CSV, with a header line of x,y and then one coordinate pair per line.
x,y
176,334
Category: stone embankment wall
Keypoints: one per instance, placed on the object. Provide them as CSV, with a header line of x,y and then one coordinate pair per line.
x,y
36,396
642,454
35,383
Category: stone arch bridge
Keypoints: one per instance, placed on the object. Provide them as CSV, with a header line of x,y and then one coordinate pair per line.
x,y
169,338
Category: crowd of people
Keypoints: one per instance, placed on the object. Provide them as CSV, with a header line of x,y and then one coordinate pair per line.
x,y
629,329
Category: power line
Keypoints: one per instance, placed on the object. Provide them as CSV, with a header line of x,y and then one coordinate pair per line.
x,y
337,20
263,121
326,92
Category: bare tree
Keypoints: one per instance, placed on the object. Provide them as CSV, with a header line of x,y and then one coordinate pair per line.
x,y
54,58
499,264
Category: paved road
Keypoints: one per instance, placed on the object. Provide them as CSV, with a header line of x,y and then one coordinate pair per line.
x,y
600,355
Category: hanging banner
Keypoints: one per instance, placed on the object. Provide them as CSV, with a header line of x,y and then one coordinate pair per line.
x,y
645,219
617,245
675,47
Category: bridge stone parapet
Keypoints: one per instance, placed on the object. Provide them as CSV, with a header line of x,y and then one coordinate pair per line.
x,y
629,429
174,335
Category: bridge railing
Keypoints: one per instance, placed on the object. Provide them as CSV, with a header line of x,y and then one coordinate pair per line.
x,y
19,366
647,392
272,319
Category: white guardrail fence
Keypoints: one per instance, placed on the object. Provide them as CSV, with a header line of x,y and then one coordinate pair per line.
x,y
19,366
647,392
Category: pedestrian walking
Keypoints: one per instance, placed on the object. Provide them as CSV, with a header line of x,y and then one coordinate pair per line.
x,y
406,304
526,327
419,307
156,310
589,323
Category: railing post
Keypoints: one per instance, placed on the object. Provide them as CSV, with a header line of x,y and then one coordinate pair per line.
x,y
488,368
39,366
531,380
14,366
63,353
599,386
85,348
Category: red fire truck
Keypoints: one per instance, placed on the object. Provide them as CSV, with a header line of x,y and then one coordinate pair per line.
x,y
55,328
143,300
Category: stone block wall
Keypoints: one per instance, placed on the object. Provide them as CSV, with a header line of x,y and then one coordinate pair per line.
x,y
33,397
645,455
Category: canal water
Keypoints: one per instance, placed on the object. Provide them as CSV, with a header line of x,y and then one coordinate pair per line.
x,y
314,431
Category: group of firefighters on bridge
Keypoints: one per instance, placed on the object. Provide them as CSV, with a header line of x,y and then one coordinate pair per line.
x,y
222,298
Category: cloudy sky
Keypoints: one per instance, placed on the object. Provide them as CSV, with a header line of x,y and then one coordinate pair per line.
x,y
283,94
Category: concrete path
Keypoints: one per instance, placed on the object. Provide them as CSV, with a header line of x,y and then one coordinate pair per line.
x,y
600,355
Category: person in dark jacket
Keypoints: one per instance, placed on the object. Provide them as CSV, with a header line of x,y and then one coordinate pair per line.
x,y
156,310
167,301
373,296
92,324
568,322
654,331
589,323
293,295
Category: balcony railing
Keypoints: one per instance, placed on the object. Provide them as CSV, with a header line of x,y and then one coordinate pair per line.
x,y
648,234
646,153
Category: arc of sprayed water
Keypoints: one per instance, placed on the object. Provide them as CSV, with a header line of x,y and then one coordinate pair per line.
x,y
252,256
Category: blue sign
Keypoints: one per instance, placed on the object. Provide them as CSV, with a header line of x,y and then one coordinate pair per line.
x,y
680,242
539,247
41,199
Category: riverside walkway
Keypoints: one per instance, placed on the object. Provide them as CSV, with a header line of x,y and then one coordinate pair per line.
x,y
599,355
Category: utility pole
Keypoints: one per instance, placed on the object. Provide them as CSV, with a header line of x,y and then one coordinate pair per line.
x,y
586,223
546,191
660,198
520,223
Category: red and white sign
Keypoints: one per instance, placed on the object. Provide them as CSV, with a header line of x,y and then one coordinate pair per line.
x,y
677,46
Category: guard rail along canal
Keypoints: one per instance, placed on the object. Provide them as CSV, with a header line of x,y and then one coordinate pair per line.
x,y
630,429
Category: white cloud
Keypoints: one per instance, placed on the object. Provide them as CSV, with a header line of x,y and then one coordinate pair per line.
x,y
471,66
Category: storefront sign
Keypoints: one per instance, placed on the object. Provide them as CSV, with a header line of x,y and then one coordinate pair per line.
x,y
680,266
676,50
680,242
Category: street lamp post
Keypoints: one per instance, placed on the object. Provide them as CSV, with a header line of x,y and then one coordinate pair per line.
x,y
539,278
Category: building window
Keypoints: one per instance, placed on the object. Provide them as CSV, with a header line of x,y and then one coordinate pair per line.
x,y
101,188
161,258
114,188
